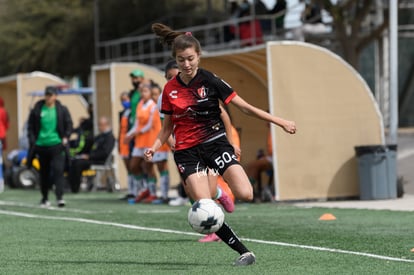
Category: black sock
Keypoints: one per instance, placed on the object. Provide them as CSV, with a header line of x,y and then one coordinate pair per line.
x,y
227,235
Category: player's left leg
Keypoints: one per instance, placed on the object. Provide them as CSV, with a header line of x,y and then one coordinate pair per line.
x,y
238,182
218,193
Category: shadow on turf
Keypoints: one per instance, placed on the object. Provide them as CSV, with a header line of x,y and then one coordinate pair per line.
x,y
130,241
176,265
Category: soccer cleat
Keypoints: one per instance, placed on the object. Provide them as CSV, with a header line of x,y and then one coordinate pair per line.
x,y
127,197
44,203
178,201
210,238
150,199
143,195
161,201
61,203
226,202
247,258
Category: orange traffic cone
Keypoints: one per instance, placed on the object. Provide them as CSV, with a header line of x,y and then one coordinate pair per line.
x,y
327,217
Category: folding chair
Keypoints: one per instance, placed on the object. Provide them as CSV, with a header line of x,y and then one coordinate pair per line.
x,y
105,171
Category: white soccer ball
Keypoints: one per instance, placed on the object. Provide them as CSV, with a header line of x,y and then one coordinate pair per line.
x,y
205,216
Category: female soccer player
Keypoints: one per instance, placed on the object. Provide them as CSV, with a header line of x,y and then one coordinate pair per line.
x,y
190,103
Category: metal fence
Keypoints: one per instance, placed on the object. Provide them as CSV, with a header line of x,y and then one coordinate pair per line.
x,y
213,37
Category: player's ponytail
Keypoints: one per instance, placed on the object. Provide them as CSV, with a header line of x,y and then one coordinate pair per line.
x,y
178,40
165,33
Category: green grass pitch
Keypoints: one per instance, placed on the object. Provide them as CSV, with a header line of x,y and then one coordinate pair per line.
x,y
98,234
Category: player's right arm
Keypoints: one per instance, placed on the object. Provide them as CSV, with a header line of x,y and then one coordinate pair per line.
x,y
163,135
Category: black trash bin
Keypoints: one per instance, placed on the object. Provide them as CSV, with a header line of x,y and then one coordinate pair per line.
x,y
377,171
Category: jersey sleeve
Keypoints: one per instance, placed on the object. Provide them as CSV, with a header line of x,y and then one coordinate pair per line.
x,y
166,107
225,91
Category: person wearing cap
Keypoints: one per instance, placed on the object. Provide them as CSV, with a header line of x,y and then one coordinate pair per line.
x,y
49,128
137,77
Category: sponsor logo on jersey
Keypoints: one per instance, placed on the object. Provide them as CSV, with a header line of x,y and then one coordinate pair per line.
x,y
173,94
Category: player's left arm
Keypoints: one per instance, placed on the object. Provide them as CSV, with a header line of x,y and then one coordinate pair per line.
x,y
287,125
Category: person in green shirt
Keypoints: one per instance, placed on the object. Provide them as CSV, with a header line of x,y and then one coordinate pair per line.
x,y
137,77
49,128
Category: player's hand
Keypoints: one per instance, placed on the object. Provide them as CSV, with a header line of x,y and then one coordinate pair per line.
x,y
127,139
237,151
289,127
149,153
65,141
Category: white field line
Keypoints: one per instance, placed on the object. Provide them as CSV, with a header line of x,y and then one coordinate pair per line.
x,y
73,210
158,211
135,227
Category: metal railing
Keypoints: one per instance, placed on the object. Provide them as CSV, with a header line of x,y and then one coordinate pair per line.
x,y
216,36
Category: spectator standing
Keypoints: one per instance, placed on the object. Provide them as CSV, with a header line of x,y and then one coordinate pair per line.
x,y
312,21
279,9
101,149
49,128
137,77
144,131
124,148
250,31
161,156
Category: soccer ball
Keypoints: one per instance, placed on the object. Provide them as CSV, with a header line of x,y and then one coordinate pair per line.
x,y
205,216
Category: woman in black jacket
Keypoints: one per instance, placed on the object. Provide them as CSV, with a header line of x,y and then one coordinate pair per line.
x,y
49,128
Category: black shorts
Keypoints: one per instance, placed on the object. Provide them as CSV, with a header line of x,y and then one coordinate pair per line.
x,y
211,157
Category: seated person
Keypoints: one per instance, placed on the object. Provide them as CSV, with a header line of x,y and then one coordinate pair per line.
x,y
102,148
84,138
254,169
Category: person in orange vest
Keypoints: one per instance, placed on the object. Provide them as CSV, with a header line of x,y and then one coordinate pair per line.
x,y
126,148
145,130
161,156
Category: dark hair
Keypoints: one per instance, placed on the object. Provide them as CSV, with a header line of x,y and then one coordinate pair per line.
x,y
172,64
176,39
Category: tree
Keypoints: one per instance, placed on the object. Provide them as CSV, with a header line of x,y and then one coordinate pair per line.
x,y
54,36
349,18
57,36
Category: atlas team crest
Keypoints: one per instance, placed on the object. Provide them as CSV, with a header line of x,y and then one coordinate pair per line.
x,y
202,92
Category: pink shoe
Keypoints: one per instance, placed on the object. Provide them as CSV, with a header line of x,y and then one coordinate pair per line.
x,y
227,202
210,238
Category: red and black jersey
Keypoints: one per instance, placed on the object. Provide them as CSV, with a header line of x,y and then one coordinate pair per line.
x,y
194,108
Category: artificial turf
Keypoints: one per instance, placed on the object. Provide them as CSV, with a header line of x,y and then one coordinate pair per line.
x,y
55,241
